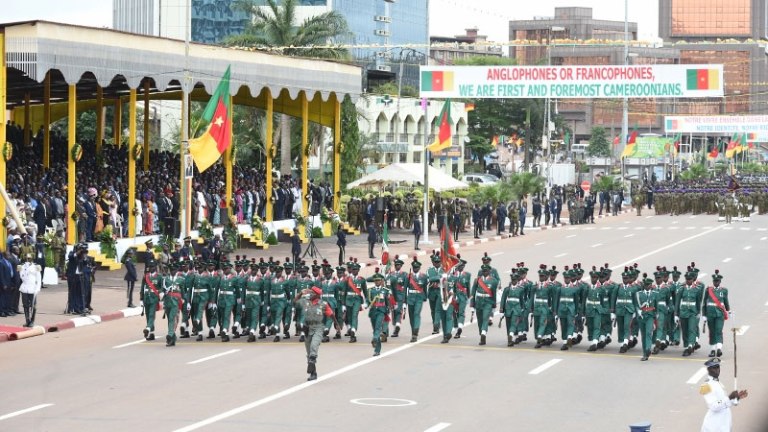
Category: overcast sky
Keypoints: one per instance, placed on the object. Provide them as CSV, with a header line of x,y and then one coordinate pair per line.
x,y
447,17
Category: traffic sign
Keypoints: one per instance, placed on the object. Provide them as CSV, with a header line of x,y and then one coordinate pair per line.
x,y
586,186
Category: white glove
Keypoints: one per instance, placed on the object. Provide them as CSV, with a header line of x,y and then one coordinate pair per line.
x,y
703,319
242,307
639,314
343,309
613,316
189,307
583,320
730,314
677,319
215,306
161,296
530,316
141,304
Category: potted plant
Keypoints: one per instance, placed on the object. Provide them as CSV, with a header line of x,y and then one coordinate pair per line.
x,y
258,228
107,242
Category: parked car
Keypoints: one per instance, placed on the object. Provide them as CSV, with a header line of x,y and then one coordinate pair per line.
x,y
494,169
481,179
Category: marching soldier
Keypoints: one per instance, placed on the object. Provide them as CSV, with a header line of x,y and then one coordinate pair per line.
x,y
647,304
304,282
554,287
329,286
254,297
278,302
513,307
187,290
664,305
623,308
528,288
355,295
151,287
688,307
290,292
266,286
676,286
566,303
542,305
241,274
492,272
226,299
433,292
608,317
447,303
715,311
315,312
173,302
398,282
379,300
461,281
483,299
201,296
594,305
415,297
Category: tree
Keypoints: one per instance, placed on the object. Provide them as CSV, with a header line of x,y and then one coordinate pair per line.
x,y
606,183
350,136
526,184
275,26
694,172
598,143
390,88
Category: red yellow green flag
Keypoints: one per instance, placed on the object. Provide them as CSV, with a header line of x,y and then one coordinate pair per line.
x,y
208,147
448,253
443,138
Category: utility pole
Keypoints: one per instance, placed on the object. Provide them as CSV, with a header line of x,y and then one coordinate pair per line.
x,y
625,103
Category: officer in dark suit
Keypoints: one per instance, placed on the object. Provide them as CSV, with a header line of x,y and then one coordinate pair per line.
x,y
130,275
536,211
501,216
40,257
341,242
477,220
149,255
416,231
456,224
6,281
372,237
295,245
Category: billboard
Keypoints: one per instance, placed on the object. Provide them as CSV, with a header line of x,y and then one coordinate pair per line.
x,y
649,147
755,126
572,82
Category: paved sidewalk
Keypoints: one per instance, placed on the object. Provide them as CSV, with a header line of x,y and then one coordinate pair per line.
x,y
109,292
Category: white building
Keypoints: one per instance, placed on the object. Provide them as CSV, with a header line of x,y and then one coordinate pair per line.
x,y
384,117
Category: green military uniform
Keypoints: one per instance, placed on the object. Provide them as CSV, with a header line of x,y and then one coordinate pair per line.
x,y
541,307
664,310
554,287
567,306
187,288
266,282
528,288
151,287
201,297
173,302
483,299
228,292
254,298
434,274
415,297
688,307
355,293
716,309
398,283
647,306
623,305
278,302
241,274
607,317
330,288
315,311
380,301
594,304
514,308
291,284
304,282
676,286
460,282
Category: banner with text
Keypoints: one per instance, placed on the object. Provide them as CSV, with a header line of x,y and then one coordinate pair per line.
x,y
572,82
650,147
755,126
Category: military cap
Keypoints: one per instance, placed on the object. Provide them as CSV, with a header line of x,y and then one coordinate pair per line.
x,y
341,269
675,271
148,243
553,271
521,268
398,261
485,257
278,267
226,264
376,275
151,263
627,273
211,263
513,273
485,267
595,272
543,270
415,263
315,266
254,264
690,273
316,290
717,276
712,363
188,238
435,258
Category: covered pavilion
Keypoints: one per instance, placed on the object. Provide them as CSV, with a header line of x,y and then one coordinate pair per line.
x,y
50,71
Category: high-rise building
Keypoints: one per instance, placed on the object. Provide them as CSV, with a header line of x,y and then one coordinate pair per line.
x,y
134,16
446,50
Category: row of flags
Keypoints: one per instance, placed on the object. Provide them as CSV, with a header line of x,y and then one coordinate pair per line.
x,y
735,145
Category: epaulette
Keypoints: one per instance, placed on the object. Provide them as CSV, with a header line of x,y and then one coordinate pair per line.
x,y
705,389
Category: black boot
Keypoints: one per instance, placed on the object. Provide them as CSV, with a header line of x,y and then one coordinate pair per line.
x,y
211,334
338,335
251,337
435,329
26,318
510,342
458,333
396,332
312,370
482,339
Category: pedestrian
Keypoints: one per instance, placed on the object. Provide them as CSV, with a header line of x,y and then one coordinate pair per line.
x,y
315,312
416,231
547,212
31,277
341,242
372,237
295,245
456,224
536,211
477,221
523,212
718,417
501,217
130,276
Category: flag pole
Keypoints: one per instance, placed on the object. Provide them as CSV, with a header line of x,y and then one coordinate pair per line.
x,y
425,210
183,146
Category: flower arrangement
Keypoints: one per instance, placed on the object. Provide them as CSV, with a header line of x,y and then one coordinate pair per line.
x,y
205,230
7,151
300,219
77,152
256,223
137,152
107,242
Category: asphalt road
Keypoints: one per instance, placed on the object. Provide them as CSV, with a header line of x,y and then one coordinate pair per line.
x,y
96,379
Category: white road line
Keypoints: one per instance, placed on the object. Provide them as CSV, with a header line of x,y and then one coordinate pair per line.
x,y
648,217
691,217
747,247
213,356
656,228
674,222
497,254
302,386
561,255
728,228
690,228
669,246
743,329
24,411
673,228
438,427
639,228
128,344
545,366
697,376
762,229
622,228
745,229
727,259
597,245
763,238
539,244
629,235
571,236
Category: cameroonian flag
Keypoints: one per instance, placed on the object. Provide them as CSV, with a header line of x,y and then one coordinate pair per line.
x,y
495,141
733,144
616,140
448,253
629,149
443,138
437,81
714,153
703,79
469,107
207,148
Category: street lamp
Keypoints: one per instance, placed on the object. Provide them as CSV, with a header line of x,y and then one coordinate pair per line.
x,y
546,129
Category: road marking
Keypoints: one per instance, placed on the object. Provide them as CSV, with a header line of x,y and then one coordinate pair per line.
x,y
497,254
747,247
727,260
128,344
639,228
561,255
604,228
690,228
383,402
571,236
597,245
545,366
24,411
291,390
648,217
673,228
669,246
728,228
622,228
763,238
697,376
691,217
745,229
438,427
743,329
674,222
629,235
539,244
762,229
213,356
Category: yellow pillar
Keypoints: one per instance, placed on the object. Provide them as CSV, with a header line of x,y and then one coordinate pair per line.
x,y
228,165
146,125
304,151
99,118
131,163
47,121
71,168
117,124
269,149
3,120
337,154
27,127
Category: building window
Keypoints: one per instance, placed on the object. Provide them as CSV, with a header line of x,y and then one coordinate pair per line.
x,y
417,157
